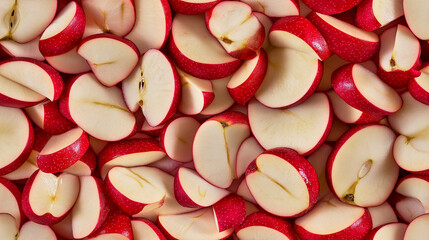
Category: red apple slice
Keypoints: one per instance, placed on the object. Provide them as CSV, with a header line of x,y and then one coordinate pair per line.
x,y
329,66
170,166
358,166
116,17
333,219
199,224
154,131
417,229
391,231
236,28
281,8
197,93
296,77
11,197
382,215
248,78
62,151
267,23
8,227
222,99
415,14
25,20
117,226
419,88
87,218
118,60
215,147
290,127
347,41
413,191
144,229
288,195
134,190
47,199
193,191
65,32
331,6
372,14
31,229
28,49
95,108
210,61
318,160
229,212
85,166
192,7
363,90
129,153
248,151
69,62
243,191
155,79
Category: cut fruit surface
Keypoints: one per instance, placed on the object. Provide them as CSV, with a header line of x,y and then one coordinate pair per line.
x,y
30,228
8,228
415,14
417,229
222,99
383,214
275,8
248,151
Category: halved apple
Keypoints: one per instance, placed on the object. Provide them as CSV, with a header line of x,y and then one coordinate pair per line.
x,y
28,49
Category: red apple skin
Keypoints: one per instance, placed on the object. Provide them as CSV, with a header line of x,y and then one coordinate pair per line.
x,y
181,196
347,16
245,91
116,222
305,169
365,18
53,121
201,70
302,28
17,194
64,158
40,139
15,103
68,38
418,92
231,118
330,7
369,118
373,232
89,159
63,102
345,46
152,131
230,212
105,204
424,45
266,220
396,79
189,8
153,226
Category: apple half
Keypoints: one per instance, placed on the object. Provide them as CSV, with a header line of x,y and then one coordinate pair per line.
x,y
8,227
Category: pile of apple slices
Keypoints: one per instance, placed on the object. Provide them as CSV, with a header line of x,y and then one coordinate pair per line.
x,y
212,120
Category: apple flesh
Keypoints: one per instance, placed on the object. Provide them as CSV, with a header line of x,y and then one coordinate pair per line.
x,y
8,227
417,228
30,228
331,7
382,214
12,198
144,229
414,12
373,14
393,231
275,9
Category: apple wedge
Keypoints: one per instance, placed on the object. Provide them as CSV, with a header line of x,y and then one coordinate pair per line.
x,y
8,227
11,196
331,6
65,31
415,15
117,226
373,14
192,7
47,198
418,86
95,108
267,23
290,73
31,229
193,191
229,212
333,219
85,166
247,152
155,87
275,9
209,60
417,229
289,127
222,99
382,214
70,62
62,151
22,21
318,160
144,229
28,49
366,170
391,231
347,41
216,144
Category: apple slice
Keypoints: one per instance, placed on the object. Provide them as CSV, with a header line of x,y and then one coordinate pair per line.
x,y
216,144
16,140
134,190
229,212
358,166
30,229
199,224
289,195
290,73
415,15
329,66
65,32
87,218
154,131
95,108
391,231
85,166
144,229
197,93
267,23
8,228
154,79
382,214
118,60
117,226
248,78
347,41
11,197
129,153
318,160
236,28
260,224
275,9
192,191
47,199
69,62
23,21
170,166
333,219
222,99
192,7
243,191
209,61
247,152
363,90
290,127
112,16
152,25
418,86
417,229
28,49
331,6
373,14
62,151
297,33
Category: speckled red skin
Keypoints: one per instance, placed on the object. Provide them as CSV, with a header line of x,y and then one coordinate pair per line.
x,y
152,131
116,222
330,7
17,194
153,226
231,118
53,121
45,219
63,102
181,196
345,46
304,168
368,118
64,158
344,86
266,220
68,38
396,79
17,162
365,18
245,91
356,231
40,139
189,8
229,212
16,103
89,159
305,30
418,92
